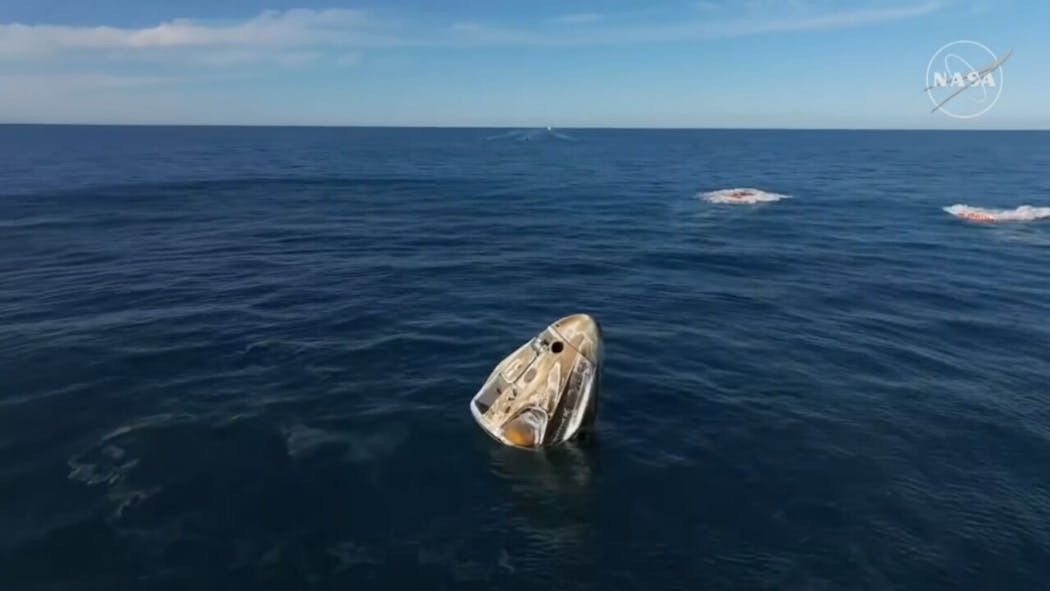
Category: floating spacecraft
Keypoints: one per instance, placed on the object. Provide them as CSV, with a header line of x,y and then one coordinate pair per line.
x,y
546,392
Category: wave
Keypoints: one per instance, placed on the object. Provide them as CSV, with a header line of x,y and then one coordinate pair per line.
x,y
742,196
1024,213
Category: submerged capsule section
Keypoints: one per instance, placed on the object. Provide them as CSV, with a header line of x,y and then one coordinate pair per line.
x,y
544,393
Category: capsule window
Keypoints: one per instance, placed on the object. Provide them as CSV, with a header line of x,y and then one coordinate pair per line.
x,y
557,347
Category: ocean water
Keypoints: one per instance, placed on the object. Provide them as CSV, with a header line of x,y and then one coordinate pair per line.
x,y
240,358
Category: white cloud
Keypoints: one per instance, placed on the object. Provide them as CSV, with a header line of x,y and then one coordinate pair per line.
x,y
272,29
753,23
308,33
842,20
98,73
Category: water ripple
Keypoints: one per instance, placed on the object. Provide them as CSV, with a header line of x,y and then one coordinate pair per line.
x,y
242,358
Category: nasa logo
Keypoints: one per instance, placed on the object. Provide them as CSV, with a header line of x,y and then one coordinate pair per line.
x,y
951,73
941,79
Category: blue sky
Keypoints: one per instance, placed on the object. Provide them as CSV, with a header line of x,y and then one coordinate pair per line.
x,y
619,63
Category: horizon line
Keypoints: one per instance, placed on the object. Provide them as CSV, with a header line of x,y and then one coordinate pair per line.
x,y
450,127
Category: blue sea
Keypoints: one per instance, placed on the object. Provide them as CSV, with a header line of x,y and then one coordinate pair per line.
x,y
241,358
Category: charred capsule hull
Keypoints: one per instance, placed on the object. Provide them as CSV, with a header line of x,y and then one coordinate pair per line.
x,y
545,392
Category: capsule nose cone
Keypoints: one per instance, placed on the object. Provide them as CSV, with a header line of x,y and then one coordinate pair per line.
x,y
581,332
582,323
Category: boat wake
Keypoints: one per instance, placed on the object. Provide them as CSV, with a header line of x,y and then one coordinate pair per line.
x,y
531,135
742,196
1024,213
